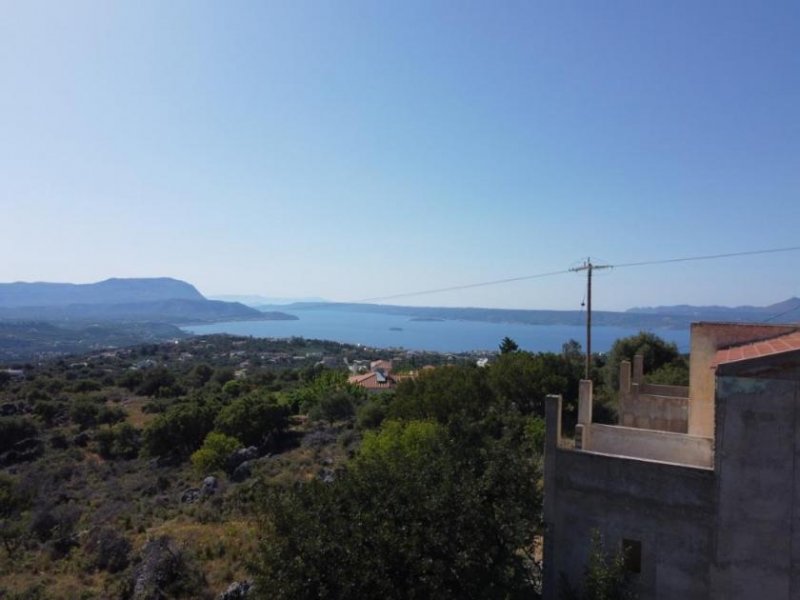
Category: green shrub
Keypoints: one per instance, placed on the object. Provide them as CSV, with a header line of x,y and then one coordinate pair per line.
x,y
251,418
214,452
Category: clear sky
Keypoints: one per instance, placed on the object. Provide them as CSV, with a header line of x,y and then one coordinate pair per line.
x,y
358,149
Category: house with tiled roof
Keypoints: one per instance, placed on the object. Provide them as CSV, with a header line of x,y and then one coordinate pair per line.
x,y
698,487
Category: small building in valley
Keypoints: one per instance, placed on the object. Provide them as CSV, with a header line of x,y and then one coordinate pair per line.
x,y
699,486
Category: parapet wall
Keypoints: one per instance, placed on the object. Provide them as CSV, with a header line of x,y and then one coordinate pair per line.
x,y
648,406
648,444
665,508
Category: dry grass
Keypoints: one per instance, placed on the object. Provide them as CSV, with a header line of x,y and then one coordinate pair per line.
x,y
221,549
136,417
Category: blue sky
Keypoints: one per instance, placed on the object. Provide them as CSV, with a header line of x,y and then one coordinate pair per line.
x,y
359,149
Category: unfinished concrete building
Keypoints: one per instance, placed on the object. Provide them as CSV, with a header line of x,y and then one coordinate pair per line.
x,y
698,485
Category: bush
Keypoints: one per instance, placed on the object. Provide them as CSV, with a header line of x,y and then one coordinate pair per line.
x,y
15,429
119,441
108,550
84,413
181,430
214,452
108,415
252,418
335,406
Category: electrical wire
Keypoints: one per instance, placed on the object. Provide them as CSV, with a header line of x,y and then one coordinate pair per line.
x,y
706,257
565,271
465,287
781,314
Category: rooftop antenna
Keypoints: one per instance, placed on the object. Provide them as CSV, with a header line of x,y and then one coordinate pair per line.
x,y
588,267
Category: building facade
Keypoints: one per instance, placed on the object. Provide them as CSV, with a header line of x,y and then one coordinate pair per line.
x,y
698,485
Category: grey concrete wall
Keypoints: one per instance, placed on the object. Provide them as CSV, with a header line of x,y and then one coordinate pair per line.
x,y
668,508
651,406
757,544
649,444
651,411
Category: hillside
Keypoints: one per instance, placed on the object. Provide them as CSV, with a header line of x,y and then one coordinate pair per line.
x,y
48,319
110,291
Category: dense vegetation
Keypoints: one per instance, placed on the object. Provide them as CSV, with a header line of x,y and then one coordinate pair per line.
x,y
175,470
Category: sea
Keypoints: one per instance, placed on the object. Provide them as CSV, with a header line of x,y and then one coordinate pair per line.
x,y
398,331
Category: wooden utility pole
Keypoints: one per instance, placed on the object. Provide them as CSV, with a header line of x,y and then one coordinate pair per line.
x,y
589,267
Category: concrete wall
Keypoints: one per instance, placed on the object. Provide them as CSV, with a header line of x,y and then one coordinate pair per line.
x,y
650,406
648,444
758,465
707,338
654,411
668,508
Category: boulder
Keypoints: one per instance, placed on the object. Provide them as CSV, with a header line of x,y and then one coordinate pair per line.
x,y
190,495
240,456
161,567
242,472
238,590
210,486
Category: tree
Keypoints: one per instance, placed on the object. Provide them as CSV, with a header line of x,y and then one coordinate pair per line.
x,y
419,514
181,430
525,379
655,351
507,345
252,418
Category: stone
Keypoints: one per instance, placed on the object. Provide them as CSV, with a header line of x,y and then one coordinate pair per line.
x,y
242,472
190,495
209,487
237,590
240,456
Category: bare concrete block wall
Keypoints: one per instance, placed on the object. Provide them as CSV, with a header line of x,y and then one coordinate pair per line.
x,y
649,444
669,509
758,466
649,406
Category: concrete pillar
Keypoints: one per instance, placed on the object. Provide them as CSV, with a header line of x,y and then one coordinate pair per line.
x,y
585,402
583,428
552,414
625,377
638,368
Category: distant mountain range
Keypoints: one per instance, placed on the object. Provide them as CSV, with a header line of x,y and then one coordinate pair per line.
x,y
257,301
723,313
159,299
677,317
40,319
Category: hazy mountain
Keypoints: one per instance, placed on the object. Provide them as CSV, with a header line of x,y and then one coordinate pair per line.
x,y
646,318
264,301
726,313
161,299
110,291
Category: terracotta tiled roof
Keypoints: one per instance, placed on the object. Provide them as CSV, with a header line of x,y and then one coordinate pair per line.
x,y
778,345
373,381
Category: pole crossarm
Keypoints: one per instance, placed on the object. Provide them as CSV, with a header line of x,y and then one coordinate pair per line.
x,y
588,266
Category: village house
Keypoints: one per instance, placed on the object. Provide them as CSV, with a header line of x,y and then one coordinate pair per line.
x,y
379,377
697,486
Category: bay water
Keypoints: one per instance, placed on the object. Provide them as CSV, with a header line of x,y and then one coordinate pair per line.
x,y
399,331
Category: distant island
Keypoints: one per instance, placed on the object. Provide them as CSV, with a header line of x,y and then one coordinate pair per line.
x,y
426,319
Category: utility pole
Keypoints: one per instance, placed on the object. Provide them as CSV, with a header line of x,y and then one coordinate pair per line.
x,y
589,267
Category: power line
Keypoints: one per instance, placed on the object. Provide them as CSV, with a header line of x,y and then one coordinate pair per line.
x,y
706,257
565,271
780,314
466,286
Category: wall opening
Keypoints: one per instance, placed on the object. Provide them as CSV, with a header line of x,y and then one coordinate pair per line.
x,y
632,555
